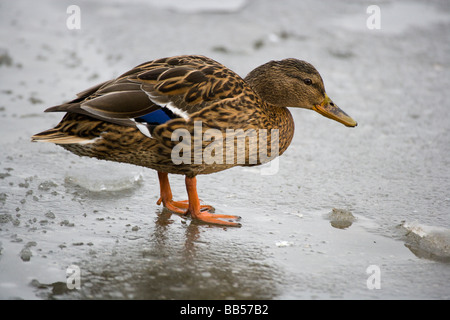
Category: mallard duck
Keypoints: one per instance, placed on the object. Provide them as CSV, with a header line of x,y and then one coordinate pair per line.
x,y
146,113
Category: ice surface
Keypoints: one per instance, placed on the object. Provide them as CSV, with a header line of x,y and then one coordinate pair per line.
x,y
197,6
392,168
341,218
397,17
428,241
284,243
100,182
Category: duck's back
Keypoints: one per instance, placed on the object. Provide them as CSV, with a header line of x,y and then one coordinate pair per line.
x,y
133,118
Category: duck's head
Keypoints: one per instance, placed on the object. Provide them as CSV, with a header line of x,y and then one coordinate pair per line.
x,y
295,83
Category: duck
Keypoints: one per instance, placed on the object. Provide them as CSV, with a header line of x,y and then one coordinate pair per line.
x,y
174,115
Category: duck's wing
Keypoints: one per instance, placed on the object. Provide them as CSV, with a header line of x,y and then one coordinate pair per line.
x,y
157,91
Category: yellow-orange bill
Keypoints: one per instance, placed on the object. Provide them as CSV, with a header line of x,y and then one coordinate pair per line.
x,y
328,109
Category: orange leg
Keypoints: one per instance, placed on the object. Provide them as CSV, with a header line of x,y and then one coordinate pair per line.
x,y
179,207
195,211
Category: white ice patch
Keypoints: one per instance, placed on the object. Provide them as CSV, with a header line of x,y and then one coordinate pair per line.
x,y
284,243
103,180
428,241
199,6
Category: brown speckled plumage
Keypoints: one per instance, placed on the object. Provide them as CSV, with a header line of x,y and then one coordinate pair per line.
x,y
103,121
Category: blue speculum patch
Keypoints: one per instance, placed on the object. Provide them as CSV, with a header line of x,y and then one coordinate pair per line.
x,y
156,117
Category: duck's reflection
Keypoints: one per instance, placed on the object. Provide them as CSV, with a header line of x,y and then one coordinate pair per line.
x,y
204,262
180,259
192,230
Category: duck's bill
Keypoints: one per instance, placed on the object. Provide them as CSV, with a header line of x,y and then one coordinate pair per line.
x,y
328,109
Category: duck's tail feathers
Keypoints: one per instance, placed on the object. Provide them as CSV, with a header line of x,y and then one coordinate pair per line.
x,y
58,137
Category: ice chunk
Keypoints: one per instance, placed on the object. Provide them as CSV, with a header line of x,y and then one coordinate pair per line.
x,y
427,241
118,181
340,218
284,243
25,253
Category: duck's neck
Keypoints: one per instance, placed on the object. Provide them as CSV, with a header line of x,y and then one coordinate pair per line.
x,y
275,116
281,118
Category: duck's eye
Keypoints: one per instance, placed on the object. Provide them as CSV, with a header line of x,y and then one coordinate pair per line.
x,y
308,82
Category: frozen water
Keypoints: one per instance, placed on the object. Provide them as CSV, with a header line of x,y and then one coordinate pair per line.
x,y
103,182
428,241
387,179
198,6
340,218
397,17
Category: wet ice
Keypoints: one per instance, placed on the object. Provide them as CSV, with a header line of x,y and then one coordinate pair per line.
x,y
390,173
